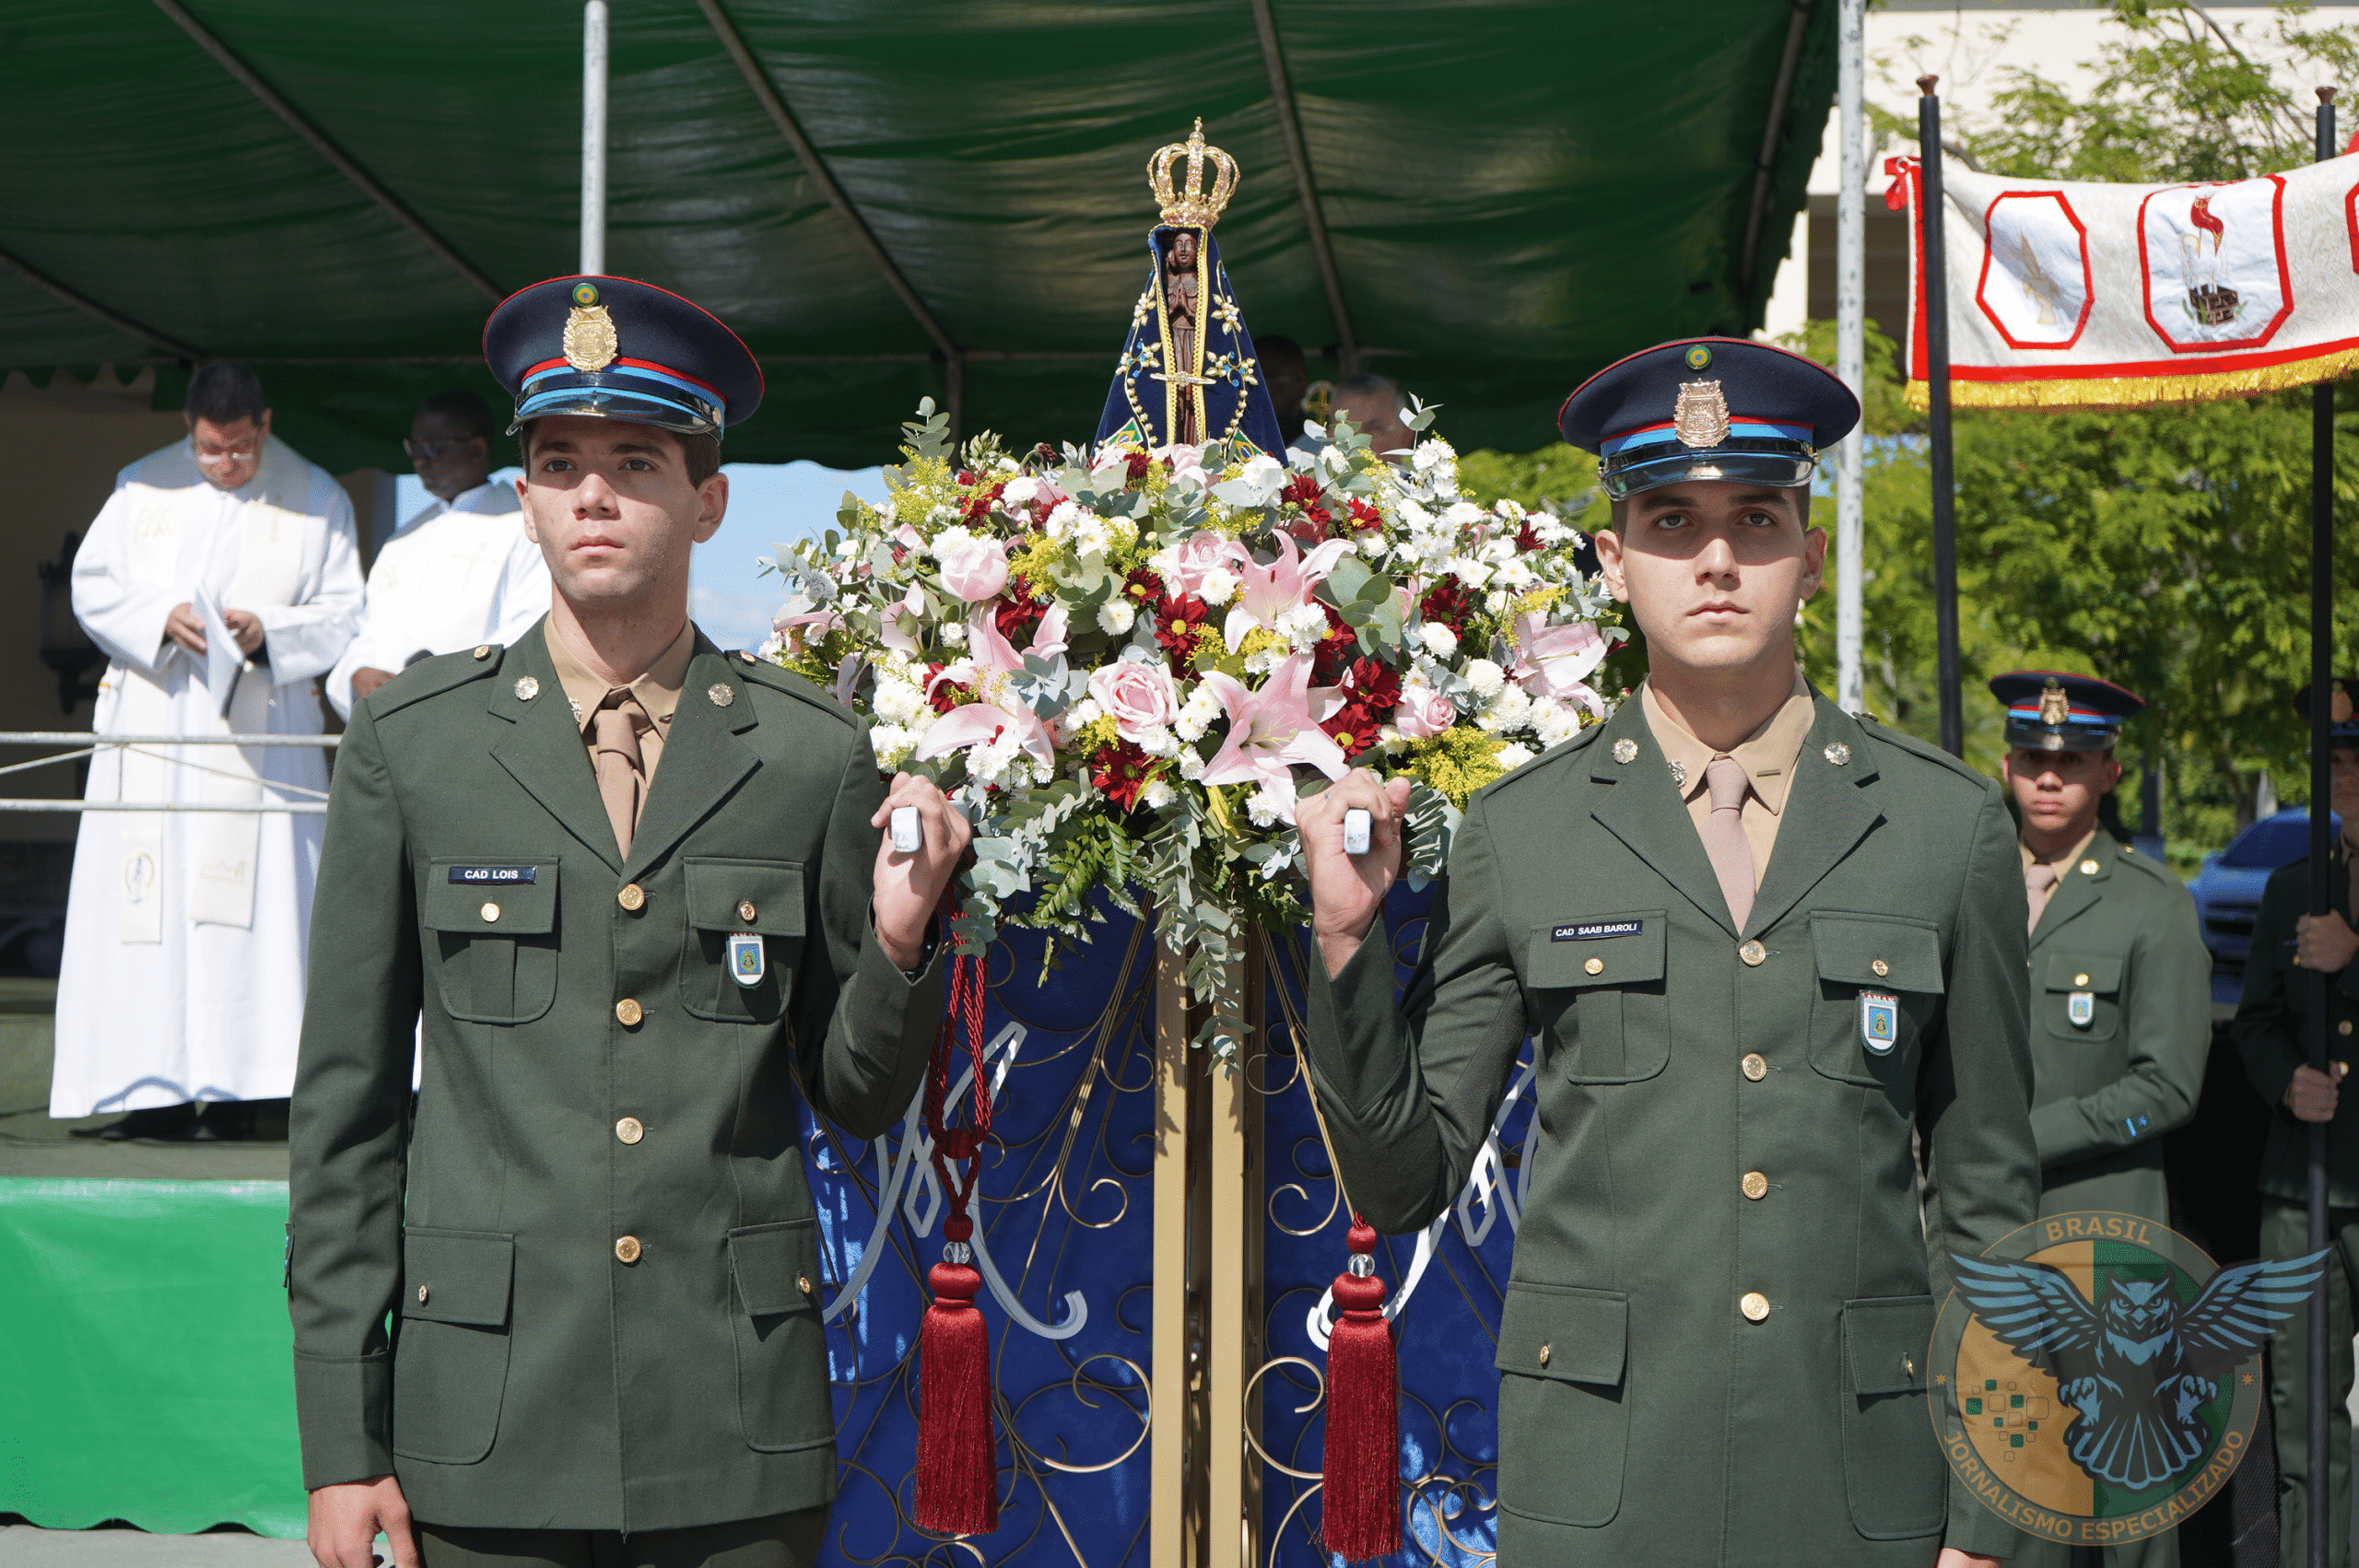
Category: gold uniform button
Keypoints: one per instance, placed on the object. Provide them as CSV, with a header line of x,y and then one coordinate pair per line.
x,y
627,1249
1595,966
803,1284
2088,868
1543,1355
745,911
628,1012
483,650
421,1295
630,1130
2343,1027
632,898
1756,1185
2080,980
1880,967
1753,1067
1754,1305
1754,954
491,912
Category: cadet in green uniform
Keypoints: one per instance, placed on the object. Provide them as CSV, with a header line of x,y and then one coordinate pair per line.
x,y
2120,1005
2271,1031
634,886
1764,944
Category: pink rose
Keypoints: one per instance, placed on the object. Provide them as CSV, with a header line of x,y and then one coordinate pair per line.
x,y
1423,712
1136,695
976,571
1201,553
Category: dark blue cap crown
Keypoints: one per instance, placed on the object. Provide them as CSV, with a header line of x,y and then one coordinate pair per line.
x,y
2053,710
1709,408
616,348
2342,716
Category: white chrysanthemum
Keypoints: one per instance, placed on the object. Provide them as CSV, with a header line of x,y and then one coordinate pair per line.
x,y
1216,586
1495,601
949,541
1391,740
1460,515
892,745
1373,545
1157,741
1515,574
1083,713
1270,805
1196,715
1089,535
1063,518
1468,570
1554,723
898,701
1440,640
1303,626
952,633
772,647
1513,755
1116,616
1486,677
1268,659
1432,453
1020,490
1192,766
1158,795
1508,711
1120,530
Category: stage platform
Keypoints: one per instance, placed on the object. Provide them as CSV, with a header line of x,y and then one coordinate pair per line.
x,y
145,1354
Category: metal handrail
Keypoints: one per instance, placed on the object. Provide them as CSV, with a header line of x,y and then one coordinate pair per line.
x,y
89,742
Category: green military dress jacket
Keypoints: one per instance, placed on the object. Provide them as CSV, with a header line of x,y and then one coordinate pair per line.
x,y
1714,1346
2271,1027
2120,1029
595,1249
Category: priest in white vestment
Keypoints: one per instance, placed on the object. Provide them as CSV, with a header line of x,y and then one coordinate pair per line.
x,y
433,586
186,932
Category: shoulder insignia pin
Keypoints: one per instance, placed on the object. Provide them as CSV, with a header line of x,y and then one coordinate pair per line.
x,y
1625,749
2088,868
722,693
527,688
1838,754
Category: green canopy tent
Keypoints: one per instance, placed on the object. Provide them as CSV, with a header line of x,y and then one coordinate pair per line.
x,y
1485,198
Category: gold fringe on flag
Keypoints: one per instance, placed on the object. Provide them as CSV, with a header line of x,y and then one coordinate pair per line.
x,y
2117,393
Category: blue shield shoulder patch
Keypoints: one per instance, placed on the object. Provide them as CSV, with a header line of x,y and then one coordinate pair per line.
x,y
745,961
1879,1020
2081,1007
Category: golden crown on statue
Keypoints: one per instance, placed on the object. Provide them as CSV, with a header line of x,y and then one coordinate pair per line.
x,y
1191,204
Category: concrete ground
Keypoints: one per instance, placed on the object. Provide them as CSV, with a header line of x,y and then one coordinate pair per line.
x,y
23,1546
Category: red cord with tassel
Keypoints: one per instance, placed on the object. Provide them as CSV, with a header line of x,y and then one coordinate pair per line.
x,y
1362,1516
958,1471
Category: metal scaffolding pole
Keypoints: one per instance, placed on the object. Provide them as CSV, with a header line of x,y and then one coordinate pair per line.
x,y
593,136
2320,1496
1850,351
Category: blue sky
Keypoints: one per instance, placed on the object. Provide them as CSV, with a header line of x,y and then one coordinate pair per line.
x,y
768,505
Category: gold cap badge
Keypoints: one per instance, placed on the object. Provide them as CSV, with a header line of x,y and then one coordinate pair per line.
x,y
1191,204
1701,418
2053,710
590,343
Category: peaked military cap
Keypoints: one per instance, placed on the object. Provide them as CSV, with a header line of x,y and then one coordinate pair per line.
x,y
2342,711
2049,711
1720,408
616,348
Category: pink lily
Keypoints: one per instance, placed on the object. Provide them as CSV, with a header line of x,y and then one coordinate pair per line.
x,y
1285,584
891,635
791,628
1271,729
1556,662
991,659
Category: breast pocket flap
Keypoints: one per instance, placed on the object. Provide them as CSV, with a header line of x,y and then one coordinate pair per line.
x,y
2083,972
1889,1340
776,1267
1563,1333
457,1276
1596,949
1878,951
487,897
762,897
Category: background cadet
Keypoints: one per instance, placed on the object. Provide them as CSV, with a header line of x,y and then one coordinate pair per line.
x,y
596,1241
2120,984
2271,1031
1762,943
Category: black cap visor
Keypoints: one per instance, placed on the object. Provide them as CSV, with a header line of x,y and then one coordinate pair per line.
x,y
1784,465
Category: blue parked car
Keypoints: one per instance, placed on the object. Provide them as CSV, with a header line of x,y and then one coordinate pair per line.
x,y
2227,892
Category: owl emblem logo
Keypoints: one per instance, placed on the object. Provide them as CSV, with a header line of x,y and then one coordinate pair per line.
x,y
2103,1372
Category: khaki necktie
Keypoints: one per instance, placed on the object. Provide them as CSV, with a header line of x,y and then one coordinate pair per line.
x,y
622,780
2039,881
1724,839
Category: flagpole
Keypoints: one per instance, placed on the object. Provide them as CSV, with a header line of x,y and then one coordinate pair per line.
x,y
1937,422
1851,359
2319,1494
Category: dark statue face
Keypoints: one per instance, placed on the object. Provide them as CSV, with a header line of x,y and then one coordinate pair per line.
x,y
1183,251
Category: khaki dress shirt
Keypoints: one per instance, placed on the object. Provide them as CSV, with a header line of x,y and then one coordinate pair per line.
x,y
658,690
1767,755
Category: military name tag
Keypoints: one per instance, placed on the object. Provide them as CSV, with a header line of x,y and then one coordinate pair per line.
x,y
746,965
1879,1020
2081,1007
1597,930
485,876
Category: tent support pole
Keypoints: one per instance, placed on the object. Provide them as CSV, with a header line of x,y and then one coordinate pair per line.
x,y
766,93
1765,165
1851,353
2319,1495
319,143
1937,385
95,310
1314,219
593,136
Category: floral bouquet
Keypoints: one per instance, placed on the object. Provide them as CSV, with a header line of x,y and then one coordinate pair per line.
x,y
1128,665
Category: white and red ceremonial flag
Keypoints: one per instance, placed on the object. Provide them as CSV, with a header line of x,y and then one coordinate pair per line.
x,y
2078,295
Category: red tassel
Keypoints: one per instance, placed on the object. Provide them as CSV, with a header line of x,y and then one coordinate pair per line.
x,y
957,1486
1362,1501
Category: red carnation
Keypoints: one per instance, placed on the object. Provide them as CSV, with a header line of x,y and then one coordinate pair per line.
x,y
1018,612
1120,771
1175,620
979,504
1135,465
1364,517
1448,603
1371,691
